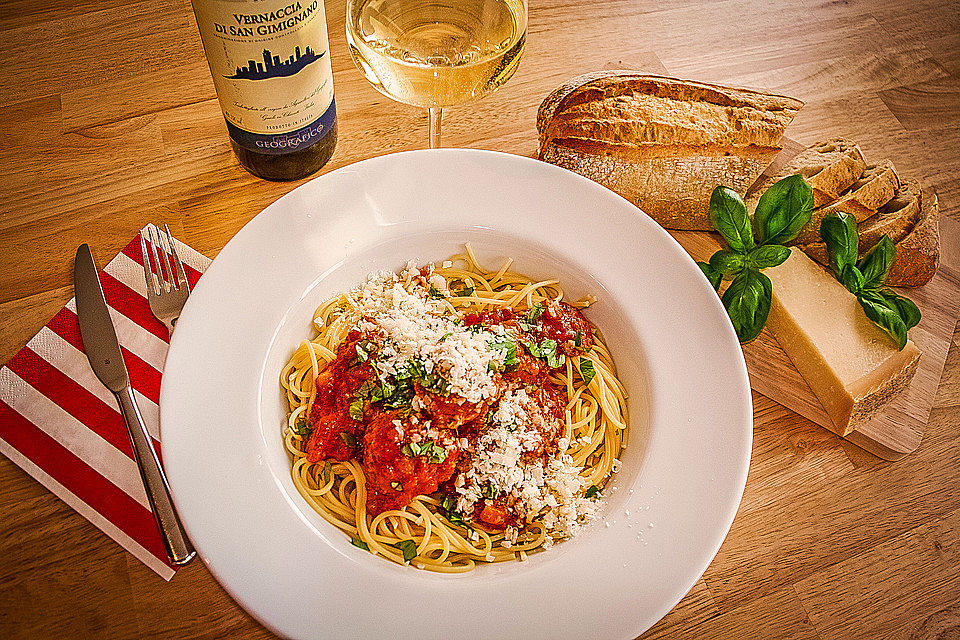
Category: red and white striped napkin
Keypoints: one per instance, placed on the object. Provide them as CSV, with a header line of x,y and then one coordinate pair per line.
x,y
63,427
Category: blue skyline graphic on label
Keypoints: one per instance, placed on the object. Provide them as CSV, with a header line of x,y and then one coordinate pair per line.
x,y
273,67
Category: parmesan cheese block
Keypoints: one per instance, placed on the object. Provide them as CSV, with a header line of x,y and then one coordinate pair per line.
x,y
850,363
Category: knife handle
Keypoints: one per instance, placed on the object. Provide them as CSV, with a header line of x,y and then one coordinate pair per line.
x,y
175,540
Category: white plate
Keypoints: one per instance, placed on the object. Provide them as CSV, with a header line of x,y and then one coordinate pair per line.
x,y
691,416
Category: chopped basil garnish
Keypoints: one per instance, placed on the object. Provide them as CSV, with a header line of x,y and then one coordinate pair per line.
x,y
435,293
535,312
490,491
432,452
445,336
587,372
408,548
578,340
591,491
363,355
302,428
466,291
357,542
448,508
349,439
506,347
546,351
356,409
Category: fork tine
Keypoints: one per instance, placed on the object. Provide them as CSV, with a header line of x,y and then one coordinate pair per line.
x,y
181,274
154,241
147,271
168,271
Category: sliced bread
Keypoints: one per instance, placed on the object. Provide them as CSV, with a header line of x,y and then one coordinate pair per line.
x,y
663,143
876,187
879,184
912,221
829,168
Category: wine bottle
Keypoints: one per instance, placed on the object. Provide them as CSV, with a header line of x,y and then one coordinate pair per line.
x,y
270,63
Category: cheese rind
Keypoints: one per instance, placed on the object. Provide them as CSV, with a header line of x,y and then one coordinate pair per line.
x,y
851,364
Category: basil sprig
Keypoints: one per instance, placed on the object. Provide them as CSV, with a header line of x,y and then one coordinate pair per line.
x,y
782,210
865,277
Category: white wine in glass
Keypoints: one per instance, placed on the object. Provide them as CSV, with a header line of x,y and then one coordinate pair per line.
x,y
436,53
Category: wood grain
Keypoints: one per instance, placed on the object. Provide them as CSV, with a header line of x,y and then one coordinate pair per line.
x,y
111,121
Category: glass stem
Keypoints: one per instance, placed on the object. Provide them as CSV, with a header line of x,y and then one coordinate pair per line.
x,y
435,127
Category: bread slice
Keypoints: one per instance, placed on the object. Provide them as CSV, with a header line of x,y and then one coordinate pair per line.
x,y
829,167
876,187
663,143
879,184
918,254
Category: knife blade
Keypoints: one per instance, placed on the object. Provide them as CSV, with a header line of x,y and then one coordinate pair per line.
x,y
96,328
103,351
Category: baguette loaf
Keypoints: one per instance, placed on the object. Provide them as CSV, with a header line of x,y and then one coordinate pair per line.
x,y
663,143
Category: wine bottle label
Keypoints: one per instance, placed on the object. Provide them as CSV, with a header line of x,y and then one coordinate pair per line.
x,y
271,68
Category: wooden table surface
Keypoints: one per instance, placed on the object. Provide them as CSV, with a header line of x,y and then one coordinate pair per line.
x,y
112,122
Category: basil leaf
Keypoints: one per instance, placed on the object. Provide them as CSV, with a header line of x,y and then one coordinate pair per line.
x,y
852,279
587,372
783,209
712,274
408,547
466,291
747,301
349,439
885,316
591,491
728,215
407,450
839,232
357,542
908,311
445,336
768,255
875,265
435,293
728,263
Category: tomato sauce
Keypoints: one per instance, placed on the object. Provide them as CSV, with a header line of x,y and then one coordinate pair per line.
x,y
406,452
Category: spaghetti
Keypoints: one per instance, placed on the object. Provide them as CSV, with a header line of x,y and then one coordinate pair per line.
x,y
451,416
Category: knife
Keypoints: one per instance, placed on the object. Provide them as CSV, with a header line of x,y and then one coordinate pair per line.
x,y
103,352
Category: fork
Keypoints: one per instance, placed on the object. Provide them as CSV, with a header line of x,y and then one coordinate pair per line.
x,y
167,290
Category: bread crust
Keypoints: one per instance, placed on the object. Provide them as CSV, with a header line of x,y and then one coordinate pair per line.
x,y
662,143
918,254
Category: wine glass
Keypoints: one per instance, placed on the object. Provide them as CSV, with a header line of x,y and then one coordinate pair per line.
x,y
436,53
